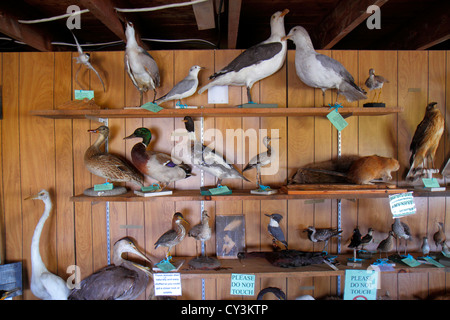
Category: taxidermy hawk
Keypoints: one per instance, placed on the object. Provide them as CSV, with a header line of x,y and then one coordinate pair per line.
x,y
426,140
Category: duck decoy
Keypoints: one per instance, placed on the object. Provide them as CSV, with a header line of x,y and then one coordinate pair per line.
x,y
320,71
183,89
157,165
425,246
173,236
257,62
140,65
439,237
44,284
401,231
83,58
275,230
207,159
375,82
387,244
123,280
322,235
261,160
107,165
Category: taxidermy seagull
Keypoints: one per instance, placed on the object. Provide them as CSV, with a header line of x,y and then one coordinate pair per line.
x,y
257,62
83,58
183,89
140,65
320,71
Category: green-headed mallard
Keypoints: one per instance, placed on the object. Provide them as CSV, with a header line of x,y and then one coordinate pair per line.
x,y
156,165
109,166
173,236
207,159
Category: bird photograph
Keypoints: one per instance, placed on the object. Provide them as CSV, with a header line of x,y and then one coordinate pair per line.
x,y
320,71
109,166
275,230
122,280
173,236
140,65
183,89
44,284
156,165
425,142
322,235
375,82
257,62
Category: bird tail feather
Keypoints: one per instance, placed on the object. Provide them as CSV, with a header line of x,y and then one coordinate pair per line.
x,y
351,91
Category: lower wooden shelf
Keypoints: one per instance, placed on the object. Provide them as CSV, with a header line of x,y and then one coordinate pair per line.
x,y
263,269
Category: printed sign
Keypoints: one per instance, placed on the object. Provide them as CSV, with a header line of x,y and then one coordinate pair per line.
x,y
402,204
360,285
167,284
242,284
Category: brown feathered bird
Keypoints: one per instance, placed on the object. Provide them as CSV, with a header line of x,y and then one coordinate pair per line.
x,y
426,139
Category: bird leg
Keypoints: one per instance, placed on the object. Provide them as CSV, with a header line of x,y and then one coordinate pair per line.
x,y
141,97
258,176
379,94
154,95
249,96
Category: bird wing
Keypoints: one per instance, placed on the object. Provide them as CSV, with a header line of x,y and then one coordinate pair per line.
x,y
151,67
80,51
336,66
180,88
55,286
251,56
167,236
129,71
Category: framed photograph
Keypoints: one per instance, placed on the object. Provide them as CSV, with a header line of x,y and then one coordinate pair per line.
x,y
230,236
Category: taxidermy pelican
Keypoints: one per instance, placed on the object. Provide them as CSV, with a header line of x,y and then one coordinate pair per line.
x,y
83,58
123,280
44,284
140,65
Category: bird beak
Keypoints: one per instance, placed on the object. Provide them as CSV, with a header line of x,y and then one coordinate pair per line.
x,y
267,215
143,268
185,221
92,130
131,136
34,196
140,254
285,12
286,37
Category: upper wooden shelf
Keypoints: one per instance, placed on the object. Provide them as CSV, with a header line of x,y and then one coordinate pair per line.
x,y
208,112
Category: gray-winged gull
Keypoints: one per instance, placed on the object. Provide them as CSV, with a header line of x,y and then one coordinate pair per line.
x,y
140,65
183,89
320,71
375,82
257,62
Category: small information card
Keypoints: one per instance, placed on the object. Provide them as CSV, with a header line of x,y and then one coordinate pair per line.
x,y
242,284
360,285
337,120
167,284
402,204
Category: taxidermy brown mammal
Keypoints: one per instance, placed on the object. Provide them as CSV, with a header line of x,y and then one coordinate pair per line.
x,y
360,170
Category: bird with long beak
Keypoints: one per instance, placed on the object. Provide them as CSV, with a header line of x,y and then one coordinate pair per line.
x,y
275,230
123,280
140,65
375,82
173,236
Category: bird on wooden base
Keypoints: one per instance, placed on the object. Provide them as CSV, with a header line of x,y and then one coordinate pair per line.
x,y
107,165
275,230
375,82
261,160
322,235
320,71
387,244
439,237
202,231
355,241
425,246
183,89
401,231
257,62
44,284
173,236
157,165
426,141
123,280
140,65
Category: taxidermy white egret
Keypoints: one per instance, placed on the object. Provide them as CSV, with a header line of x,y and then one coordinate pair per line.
x,y
44,284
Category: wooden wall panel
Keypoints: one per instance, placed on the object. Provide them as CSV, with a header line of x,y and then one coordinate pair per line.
x,y
76,232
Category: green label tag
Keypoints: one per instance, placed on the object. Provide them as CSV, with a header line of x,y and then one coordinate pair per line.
x,y
153,187
81,94
337,120
242,284
430,183
165,266
103,186
410,261
150,106
220,190
432,261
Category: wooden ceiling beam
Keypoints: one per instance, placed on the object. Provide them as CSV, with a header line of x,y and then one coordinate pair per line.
x,y
204,15
31,35
347,15
234,13
424,32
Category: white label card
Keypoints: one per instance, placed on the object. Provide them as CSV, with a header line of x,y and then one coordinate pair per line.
x,y
167,284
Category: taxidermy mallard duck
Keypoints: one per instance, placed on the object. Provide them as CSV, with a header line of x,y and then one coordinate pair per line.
x,y
156,165
209,160
107,165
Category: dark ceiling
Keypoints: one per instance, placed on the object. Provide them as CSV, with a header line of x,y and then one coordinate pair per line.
x,y
332,24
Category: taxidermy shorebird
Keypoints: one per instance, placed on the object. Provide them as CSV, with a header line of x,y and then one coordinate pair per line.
x,y
44,284
355,241
375,82
367,238
260,160
275,230
107,165
207,159
439,237
140,65
183,89
202,231
257,62
387,244
425,246
173,236
322,235
123,280
83,58
156,165
401,231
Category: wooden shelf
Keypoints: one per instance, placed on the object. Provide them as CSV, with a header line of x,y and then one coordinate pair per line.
x,y
263,269
194,195
208,112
